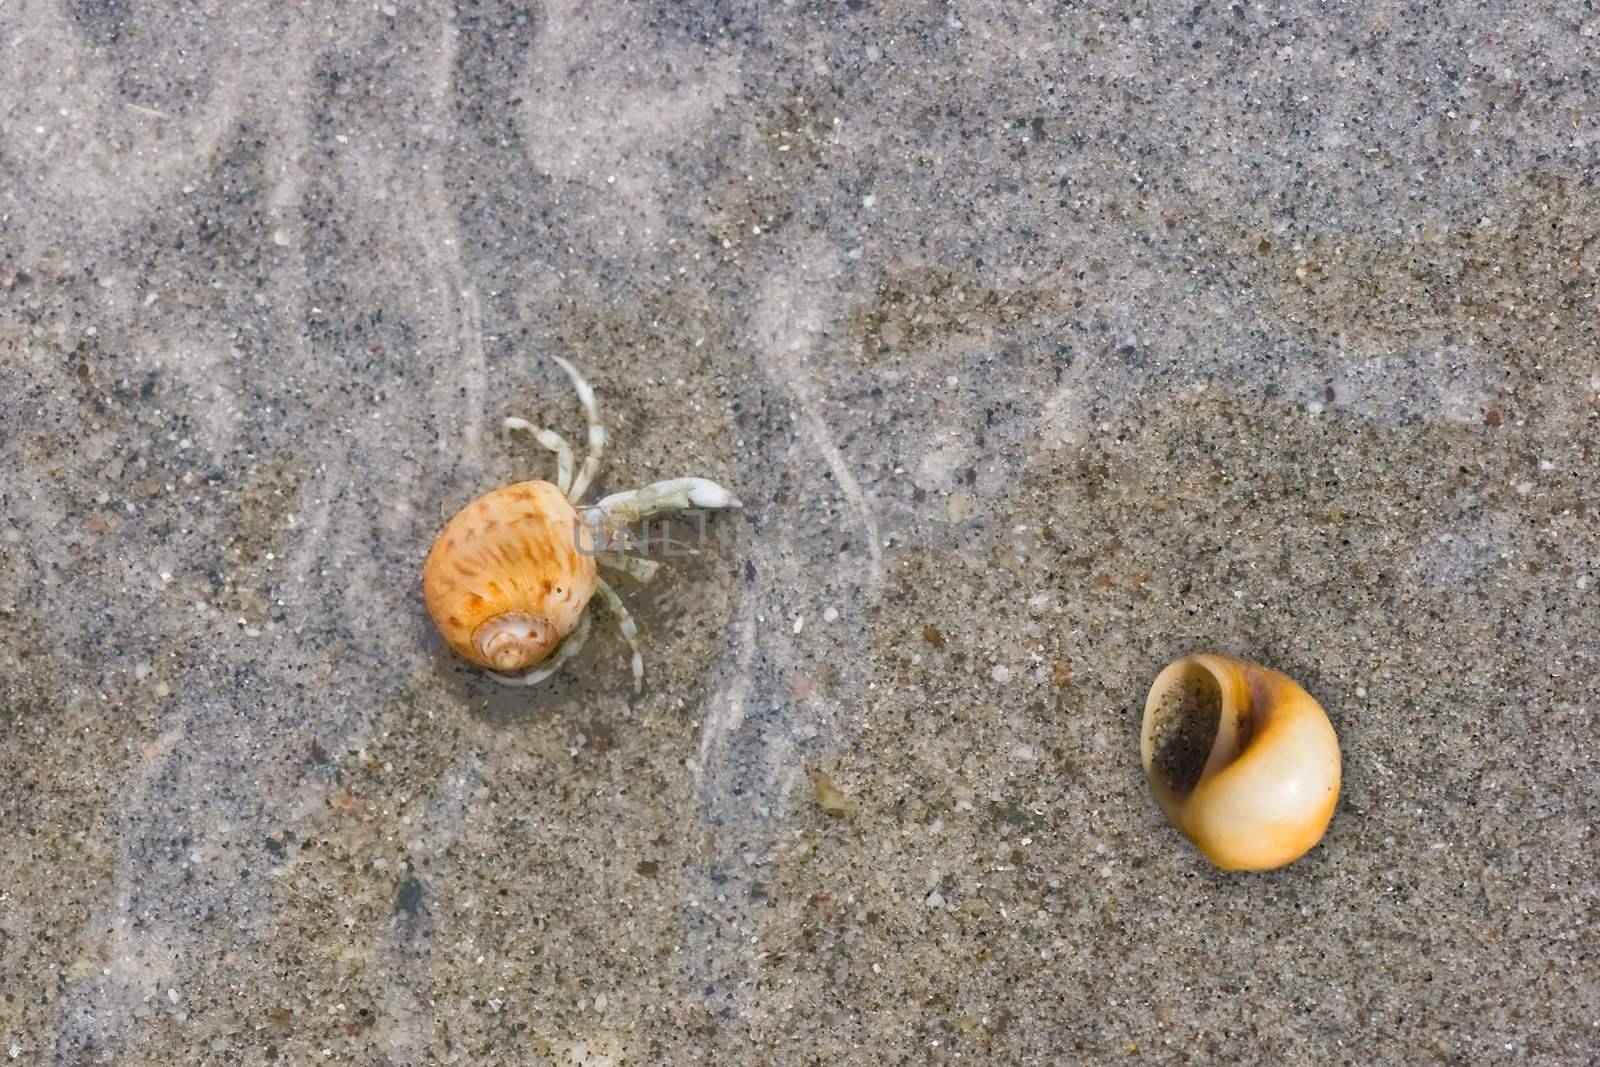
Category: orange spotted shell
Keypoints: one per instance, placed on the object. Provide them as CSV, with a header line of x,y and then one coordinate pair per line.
x,y
508,578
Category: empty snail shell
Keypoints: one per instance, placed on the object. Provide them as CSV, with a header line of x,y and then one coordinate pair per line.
x,y
505,580
1241,759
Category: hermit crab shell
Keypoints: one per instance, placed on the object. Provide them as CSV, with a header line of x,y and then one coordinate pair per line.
x,y
509,577
1241,759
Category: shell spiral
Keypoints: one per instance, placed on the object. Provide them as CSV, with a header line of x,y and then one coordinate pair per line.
x,y
505,580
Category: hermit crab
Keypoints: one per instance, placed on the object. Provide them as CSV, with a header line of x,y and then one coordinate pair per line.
x,y
509,579
1241,759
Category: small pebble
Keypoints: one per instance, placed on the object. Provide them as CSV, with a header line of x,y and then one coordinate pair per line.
x,y
830,615
830,798
1001,673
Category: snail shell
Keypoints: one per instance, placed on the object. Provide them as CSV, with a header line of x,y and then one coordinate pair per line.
x,y
1241,759
506,580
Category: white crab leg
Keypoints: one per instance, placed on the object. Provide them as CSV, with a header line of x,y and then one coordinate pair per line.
x,y
571,646
630,632
597,432
640,570
555,443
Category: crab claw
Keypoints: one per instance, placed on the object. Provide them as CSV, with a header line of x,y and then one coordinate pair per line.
x,y
703,493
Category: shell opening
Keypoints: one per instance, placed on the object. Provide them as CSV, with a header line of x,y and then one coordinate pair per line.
x,y
1184,717
514,641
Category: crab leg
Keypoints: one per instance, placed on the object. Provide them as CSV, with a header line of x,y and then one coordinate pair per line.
x,y
630,632
555,443
640,570
597,432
